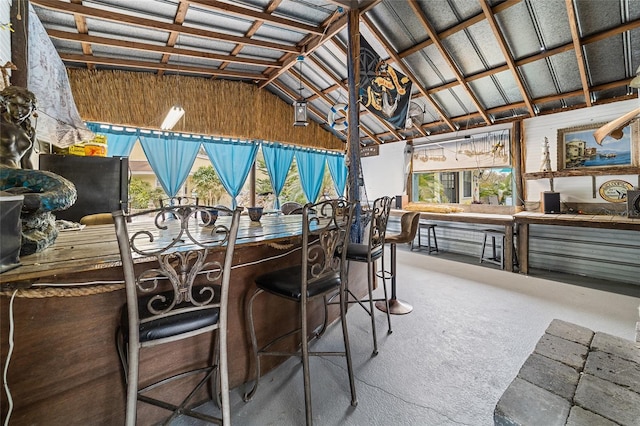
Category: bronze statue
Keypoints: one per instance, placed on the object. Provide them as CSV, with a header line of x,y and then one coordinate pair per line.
x,y
44,192
17,135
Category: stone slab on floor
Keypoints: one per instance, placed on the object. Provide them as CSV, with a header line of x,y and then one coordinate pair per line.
x,y
575,376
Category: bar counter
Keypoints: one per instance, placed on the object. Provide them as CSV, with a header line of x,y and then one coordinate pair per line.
x,y
504,220
64,368
524,219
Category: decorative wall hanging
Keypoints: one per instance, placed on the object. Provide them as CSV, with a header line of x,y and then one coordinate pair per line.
x,y
337,117
578,149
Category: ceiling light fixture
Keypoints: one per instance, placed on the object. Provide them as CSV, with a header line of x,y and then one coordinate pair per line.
x,y
300,105
173,116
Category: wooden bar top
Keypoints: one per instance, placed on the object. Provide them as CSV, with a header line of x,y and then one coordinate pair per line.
x,y
466,217
95,247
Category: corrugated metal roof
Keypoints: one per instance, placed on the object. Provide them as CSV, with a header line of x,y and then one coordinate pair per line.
x,y
472,62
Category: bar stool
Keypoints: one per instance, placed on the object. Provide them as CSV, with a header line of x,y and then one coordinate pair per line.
x,y
325,235
180,294
408,229
493,234
431,229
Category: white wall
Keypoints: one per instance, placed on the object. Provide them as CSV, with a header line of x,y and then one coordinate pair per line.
x,y
383,174
572,189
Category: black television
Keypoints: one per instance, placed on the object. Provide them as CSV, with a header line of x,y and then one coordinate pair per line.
x,y
102,183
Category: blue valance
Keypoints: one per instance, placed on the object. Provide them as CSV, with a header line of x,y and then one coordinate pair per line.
x,y
311,172
278,159
339,171
171,160
233,161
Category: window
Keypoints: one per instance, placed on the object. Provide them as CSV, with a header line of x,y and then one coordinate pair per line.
x,y
450,186
478,186
467,183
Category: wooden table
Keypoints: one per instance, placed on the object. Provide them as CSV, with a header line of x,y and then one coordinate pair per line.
x,y
524,219
503,220
64,368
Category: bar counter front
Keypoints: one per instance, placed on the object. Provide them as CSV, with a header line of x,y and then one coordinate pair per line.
x,y
63,306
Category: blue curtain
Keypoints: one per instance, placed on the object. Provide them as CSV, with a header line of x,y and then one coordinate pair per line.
x,y
338,170
119,142
232,161
278,160
311,172
171,159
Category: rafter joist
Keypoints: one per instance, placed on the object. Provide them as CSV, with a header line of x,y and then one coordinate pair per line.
x,y
158,25
250,14
255,26
165,50
575,36
448,59
491,20
146,65
309,47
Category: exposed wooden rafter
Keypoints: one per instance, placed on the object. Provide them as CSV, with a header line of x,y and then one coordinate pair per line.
x,y
575,35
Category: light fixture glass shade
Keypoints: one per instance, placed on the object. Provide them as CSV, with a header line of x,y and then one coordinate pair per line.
x,y
300,113
175,113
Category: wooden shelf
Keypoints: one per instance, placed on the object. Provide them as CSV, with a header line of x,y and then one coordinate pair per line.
x,y
630,170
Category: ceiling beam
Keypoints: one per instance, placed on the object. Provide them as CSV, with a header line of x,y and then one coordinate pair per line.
x,y
456,28
122,18
146,65
81,26
165,50
255,26
491,20
447,58
309,46
577,46
250,14
178,19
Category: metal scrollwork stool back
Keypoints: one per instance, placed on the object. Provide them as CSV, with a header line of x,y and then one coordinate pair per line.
x,y
325,235
176,288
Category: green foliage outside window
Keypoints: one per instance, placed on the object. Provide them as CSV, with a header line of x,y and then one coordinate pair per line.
x,y
141,194
208,186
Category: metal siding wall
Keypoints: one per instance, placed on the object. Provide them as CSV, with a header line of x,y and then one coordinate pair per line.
x,y
599,253
612,255
461,238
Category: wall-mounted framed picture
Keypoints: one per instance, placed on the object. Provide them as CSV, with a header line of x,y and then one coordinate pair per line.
x,y
578,149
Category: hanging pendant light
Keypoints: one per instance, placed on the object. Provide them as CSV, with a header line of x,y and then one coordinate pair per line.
x,y
300,105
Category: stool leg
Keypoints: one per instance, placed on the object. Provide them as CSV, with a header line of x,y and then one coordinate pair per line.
x,y
484,244
435,241
419,242
493,245
396,307
429,240
502,255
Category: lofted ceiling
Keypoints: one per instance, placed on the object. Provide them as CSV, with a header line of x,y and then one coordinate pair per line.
x,y
473,63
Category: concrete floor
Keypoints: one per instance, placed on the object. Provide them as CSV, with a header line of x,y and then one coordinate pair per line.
x,y
447,362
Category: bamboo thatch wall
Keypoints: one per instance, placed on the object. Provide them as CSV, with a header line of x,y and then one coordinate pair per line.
x,y
213,107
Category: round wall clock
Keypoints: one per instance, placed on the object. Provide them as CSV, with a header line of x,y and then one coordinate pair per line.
x,y
615,191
